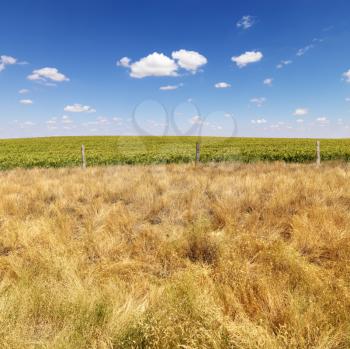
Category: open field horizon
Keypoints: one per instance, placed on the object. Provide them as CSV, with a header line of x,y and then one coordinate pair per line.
x,y
175,174
162,256
114,150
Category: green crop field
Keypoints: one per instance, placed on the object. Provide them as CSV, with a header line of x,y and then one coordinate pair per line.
x,y
66,151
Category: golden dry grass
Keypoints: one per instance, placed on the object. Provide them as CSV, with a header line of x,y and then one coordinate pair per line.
x,y
219,256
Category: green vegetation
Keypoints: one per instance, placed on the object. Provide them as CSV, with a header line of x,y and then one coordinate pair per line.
x,y
65,151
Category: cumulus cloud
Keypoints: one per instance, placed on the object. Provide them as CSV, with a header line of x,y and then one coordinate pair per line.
x,y
155,64
259,121
222,85
170,87
79,108
322,120
299,121
117,119
158,64
189,60
246,22
196,120
247,58
279,125
6,60
258,101
99,121
283,63
27,124
303,50
268,81
47,74
347,99
301,112
26,101
347,75
124,62
52,121
23,91
66,119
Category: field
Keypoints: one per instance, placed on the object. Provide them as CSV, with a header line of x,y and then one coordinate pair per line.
x,y
65,151
245,256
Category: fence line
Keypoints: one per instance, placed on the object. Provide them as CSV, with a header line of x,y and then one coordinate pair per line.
x,y
197,158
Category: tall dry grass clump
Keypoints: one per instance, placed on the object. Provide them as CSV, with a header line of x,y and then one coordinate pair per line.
x,y
218,256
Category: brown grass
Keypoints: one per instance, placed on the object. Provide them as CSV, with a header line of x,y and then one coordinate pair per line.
x,y
219,256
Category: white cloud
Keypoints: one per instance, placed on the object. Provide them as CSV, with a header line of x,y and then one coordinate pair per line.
x,y
259,121
279,125
170,87
47,74
196,120
299,121
6,60
23,91
66,120
301,112
247,58
155,64
268,81
28,123
222,85
119,121
303,50
322,120
347,99
26,101
258,101
347,75
52,121
124,62
283,63
189,60
158,64
79,108
245,22
101,120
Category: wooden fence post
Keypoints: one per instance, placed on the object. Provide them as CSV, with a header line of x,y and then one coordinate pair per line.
x,y
197,152
318,153
83,159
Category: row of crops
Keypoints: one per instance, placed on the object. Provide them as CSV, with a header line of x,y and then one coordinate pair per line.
x,y
66,151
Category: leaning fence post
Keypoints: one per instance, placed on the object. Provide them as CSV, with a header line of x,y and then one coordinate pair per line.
x,y
83,159
318,153
197,152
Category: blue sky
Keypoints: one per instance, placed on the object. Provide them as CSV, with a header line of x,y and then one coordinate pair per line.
x,y
245,68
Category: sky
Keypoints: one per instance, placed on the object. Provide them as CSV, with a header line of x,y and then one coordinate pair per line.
x,y
226,68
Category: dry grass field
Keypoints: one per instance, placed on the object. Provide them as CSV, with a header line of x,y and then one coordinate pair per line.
x,y
218,256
